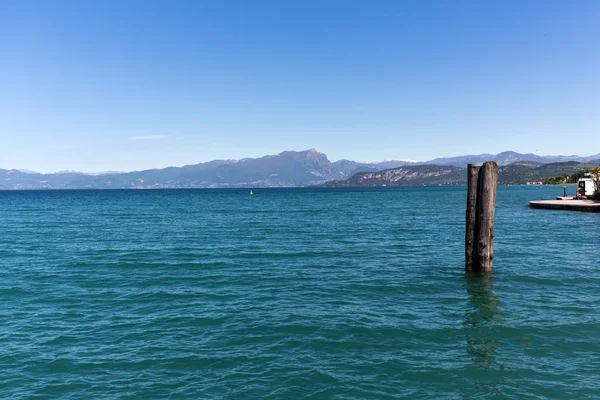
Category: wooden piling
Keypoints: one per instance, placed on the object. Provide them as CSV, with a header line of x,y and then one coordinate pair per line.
x,y
481,206
488,181
471,231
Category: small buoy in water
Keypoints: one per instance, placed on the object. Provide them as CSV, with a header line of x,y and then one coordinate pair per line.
x,y
251,192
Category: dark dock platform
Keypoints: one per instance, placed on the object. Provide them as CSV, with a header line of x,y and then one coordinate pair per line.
x,y
571,205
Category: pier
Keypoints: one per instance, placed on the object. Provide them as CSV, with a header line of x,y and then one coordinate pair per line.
x,y
571,205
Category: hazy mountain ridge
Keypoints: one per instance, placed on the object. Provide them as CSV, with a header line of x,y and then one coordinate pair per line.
x,y
427,175
415,175
289,168
508,157
522,172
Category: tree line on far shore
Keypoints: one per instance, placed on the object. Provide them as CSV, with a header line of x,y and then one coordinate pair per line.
x,y
573,178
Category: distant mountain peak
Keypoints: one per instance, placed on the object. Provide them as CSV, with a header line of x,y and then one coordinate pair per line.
x,y
307,152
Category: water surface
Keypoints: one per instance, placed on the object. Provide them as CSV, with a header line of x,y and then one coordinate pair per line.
x,y
293,293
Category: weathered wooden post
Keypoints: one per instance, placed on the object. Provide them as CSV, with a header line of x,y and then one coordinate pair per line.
x,y
471,231
481,210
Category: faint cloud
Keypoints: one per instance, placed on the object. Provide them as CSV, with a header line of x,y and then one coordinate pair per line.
x,y
149,137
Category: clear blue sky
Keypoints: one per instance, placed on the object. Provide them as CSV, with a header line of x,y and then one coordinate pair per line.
x,y
124,85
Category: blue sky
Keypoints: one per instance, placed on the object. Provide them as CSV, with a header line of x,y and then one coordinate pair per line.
x,y
125,85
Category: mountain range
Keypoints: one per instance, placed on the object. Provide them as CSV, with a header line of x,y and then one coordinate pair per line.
x,y
432,175
289,168
509,157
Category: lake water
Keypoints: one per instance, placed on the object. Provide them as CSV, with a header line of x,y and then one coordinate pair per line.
x,y
293,293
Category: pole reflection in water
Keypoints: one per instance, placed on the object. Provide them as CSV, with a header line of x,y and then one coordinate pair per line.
x,y
482,316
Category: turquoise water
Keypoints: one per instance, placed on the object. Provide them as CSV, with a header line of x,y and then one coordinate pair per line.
x,y
293,293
